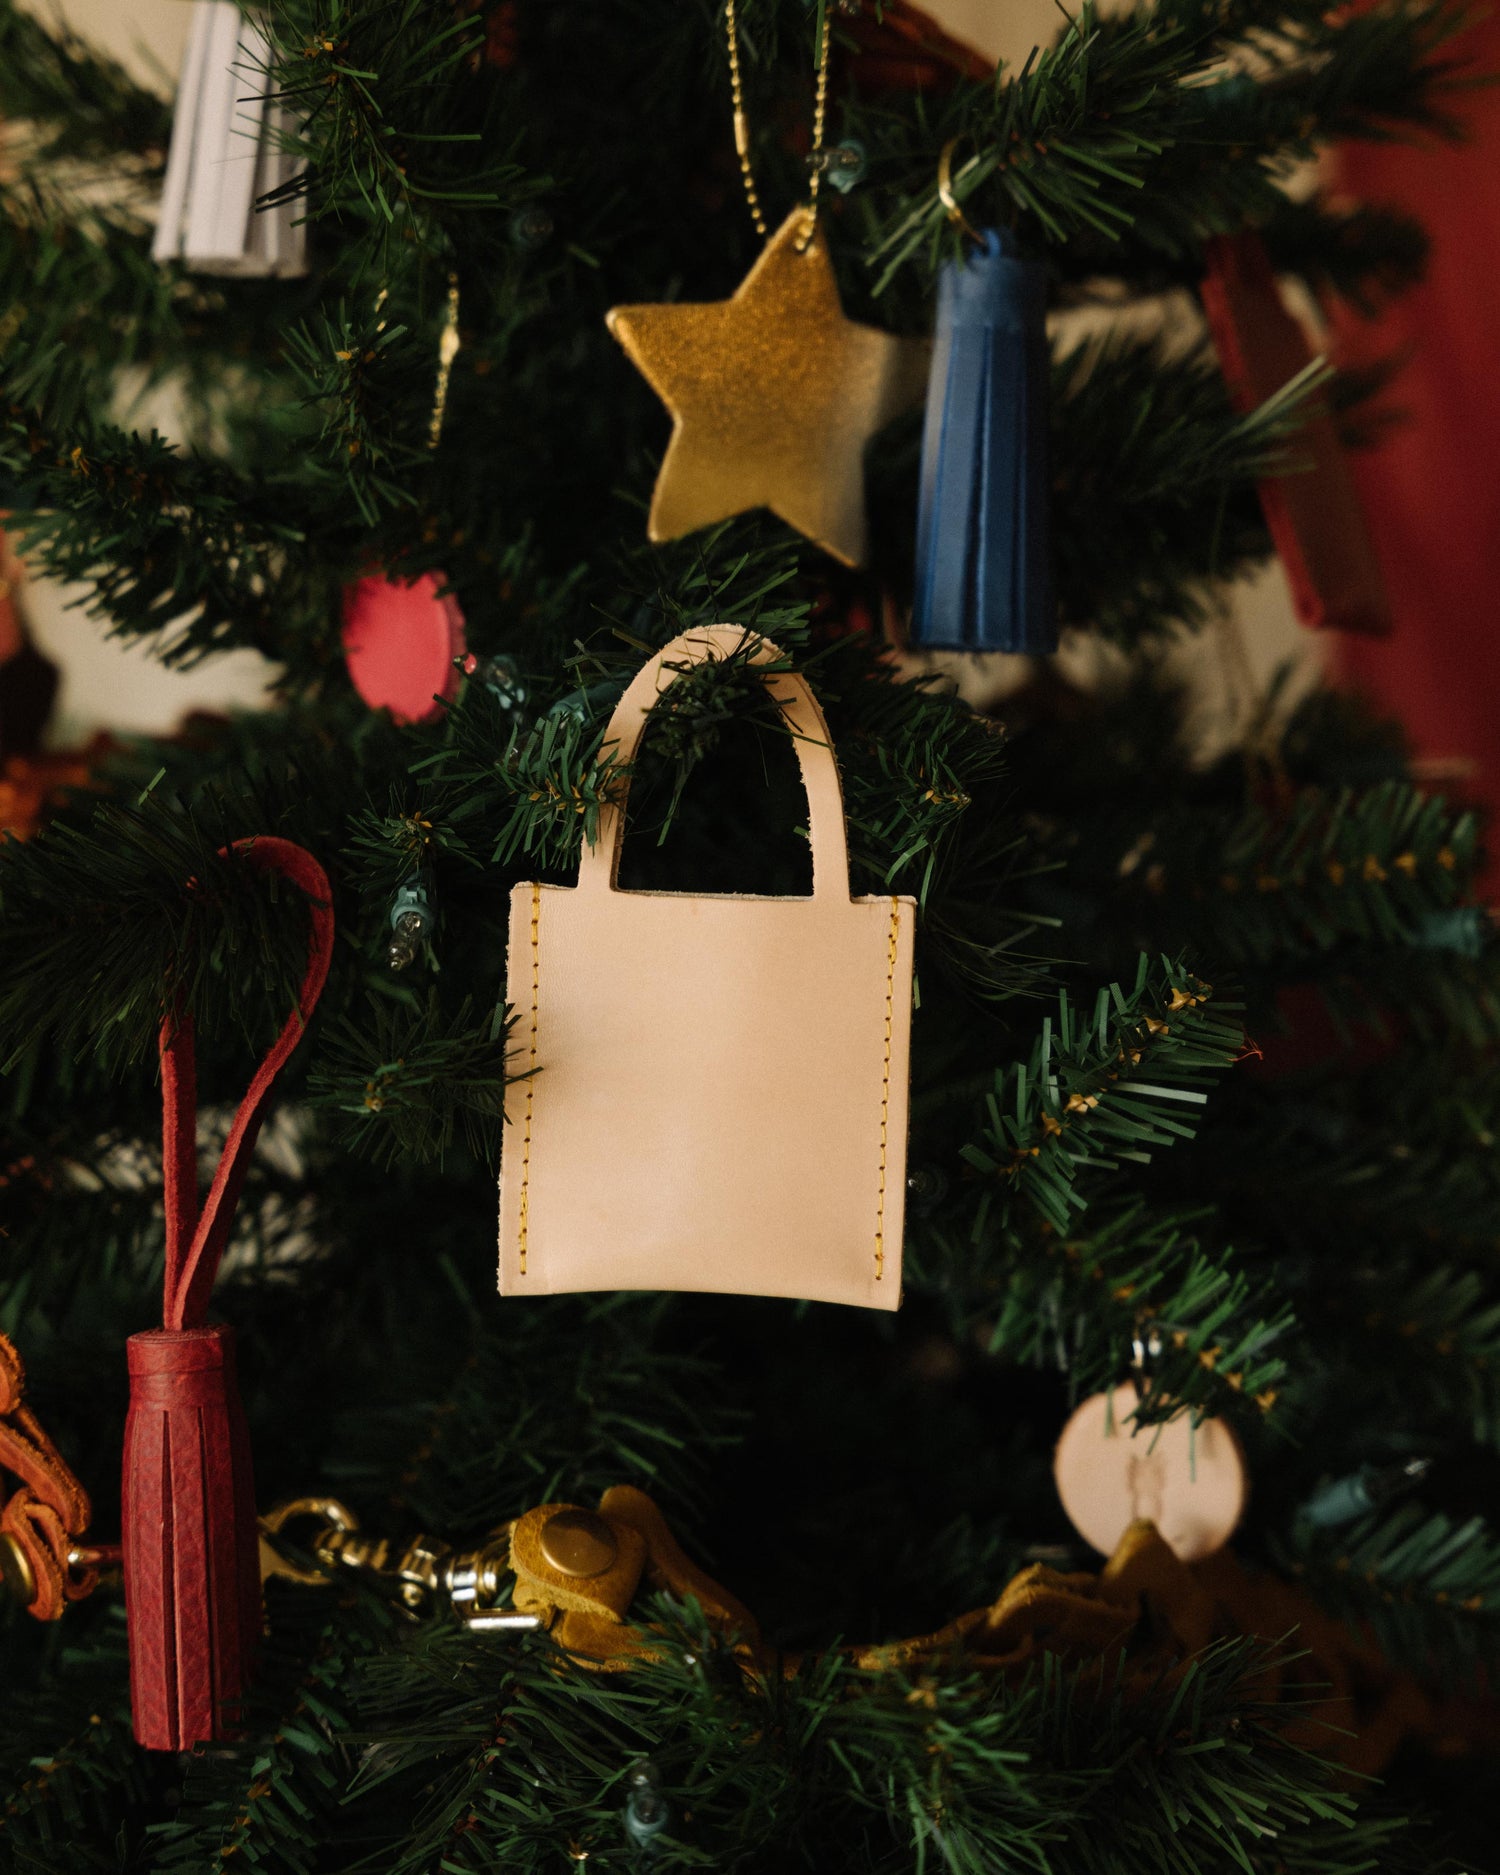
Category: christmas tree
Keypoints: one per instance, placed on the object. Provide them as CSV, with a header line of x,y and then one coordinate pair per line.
x,y
1202,1083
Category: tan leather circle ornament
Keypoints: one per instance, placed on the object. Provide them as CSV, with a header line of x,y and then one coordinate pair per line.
x,y
1190,1481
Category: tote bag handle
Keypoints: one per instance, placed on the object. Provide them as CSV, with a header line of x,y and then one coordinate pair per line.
x,y
599,868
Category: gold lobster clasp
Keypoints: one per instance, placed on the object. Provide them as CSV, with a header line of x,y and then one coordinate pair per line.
x,y
425,1571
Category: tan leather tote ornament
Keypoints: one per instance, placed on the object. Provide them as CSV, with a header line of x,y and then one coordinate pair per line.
x,y
711,1090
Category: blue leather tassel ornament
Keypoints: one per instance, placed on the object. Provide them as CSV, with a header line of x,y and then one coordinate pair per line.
x,y
984,578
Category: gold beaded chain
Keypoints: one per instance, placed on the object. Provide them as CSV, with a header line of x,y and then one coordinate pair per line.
x,y
447,352
742,123
820,114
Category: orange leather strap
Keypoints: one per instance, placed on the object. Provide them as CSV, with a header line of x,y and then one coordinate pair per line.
x,y
49,1512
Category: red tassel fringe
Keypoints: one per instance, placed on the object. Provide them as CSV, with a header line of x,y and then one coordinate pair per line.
x,y
192,1590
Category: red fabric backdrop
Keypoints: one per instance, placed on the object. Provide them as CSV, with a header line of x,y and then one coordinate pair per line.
x,y
1432,488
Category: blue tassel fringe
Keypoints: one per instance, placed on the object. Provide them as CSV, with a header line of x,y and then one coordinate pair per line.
x,y
984,577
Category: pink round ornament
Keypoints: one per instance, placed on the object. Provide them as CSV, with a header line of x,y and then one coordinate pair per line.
x,y
400,640
1190,1481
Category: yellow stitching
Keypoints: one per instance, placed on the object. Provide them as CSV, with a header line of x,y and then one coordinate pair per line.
x,y
536,980
885,1086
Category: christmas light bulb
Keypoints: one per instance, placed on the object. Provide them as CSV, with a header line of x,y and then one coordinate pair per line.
x,y
413,922
646,1811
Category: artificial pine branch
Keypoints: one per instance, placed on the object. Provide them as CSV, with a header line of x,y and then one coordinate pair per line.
x,y
1428,1583
173,546
376,88
1322,1234
1108,132
59,1804
144,912
1099,1089
1179,457
881,1768
1365,253
428,1075
1441,1330
1207,1339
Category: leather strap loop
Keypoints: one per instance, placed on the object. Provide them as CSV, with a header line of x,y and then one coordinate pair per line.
x,y
599,867
27,1452
195,1241
12,1378
50,1511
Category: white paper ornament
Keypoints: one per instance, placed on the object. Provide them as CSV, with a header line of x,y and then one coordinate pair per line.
x,y
226,152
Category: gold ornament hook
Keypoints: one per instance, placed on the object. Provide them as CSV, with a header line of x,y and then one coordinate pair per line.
x,y
946,196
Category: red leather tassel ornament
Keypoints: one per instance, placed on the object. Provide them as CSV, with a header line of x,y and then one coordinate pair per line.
x,y
192,1587
1314,514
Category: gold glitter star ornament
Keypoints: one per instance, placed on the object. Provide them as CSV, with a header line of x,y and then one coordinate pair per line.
x,y
774,395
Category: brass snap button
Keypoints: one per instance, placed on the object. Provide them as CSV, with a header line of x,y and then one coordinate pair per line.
x,y
579,1543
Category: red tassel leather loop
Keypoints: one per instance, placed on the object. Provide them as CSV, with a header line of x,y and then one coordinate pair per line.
x,y
192,1587
195,1244
1314,515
